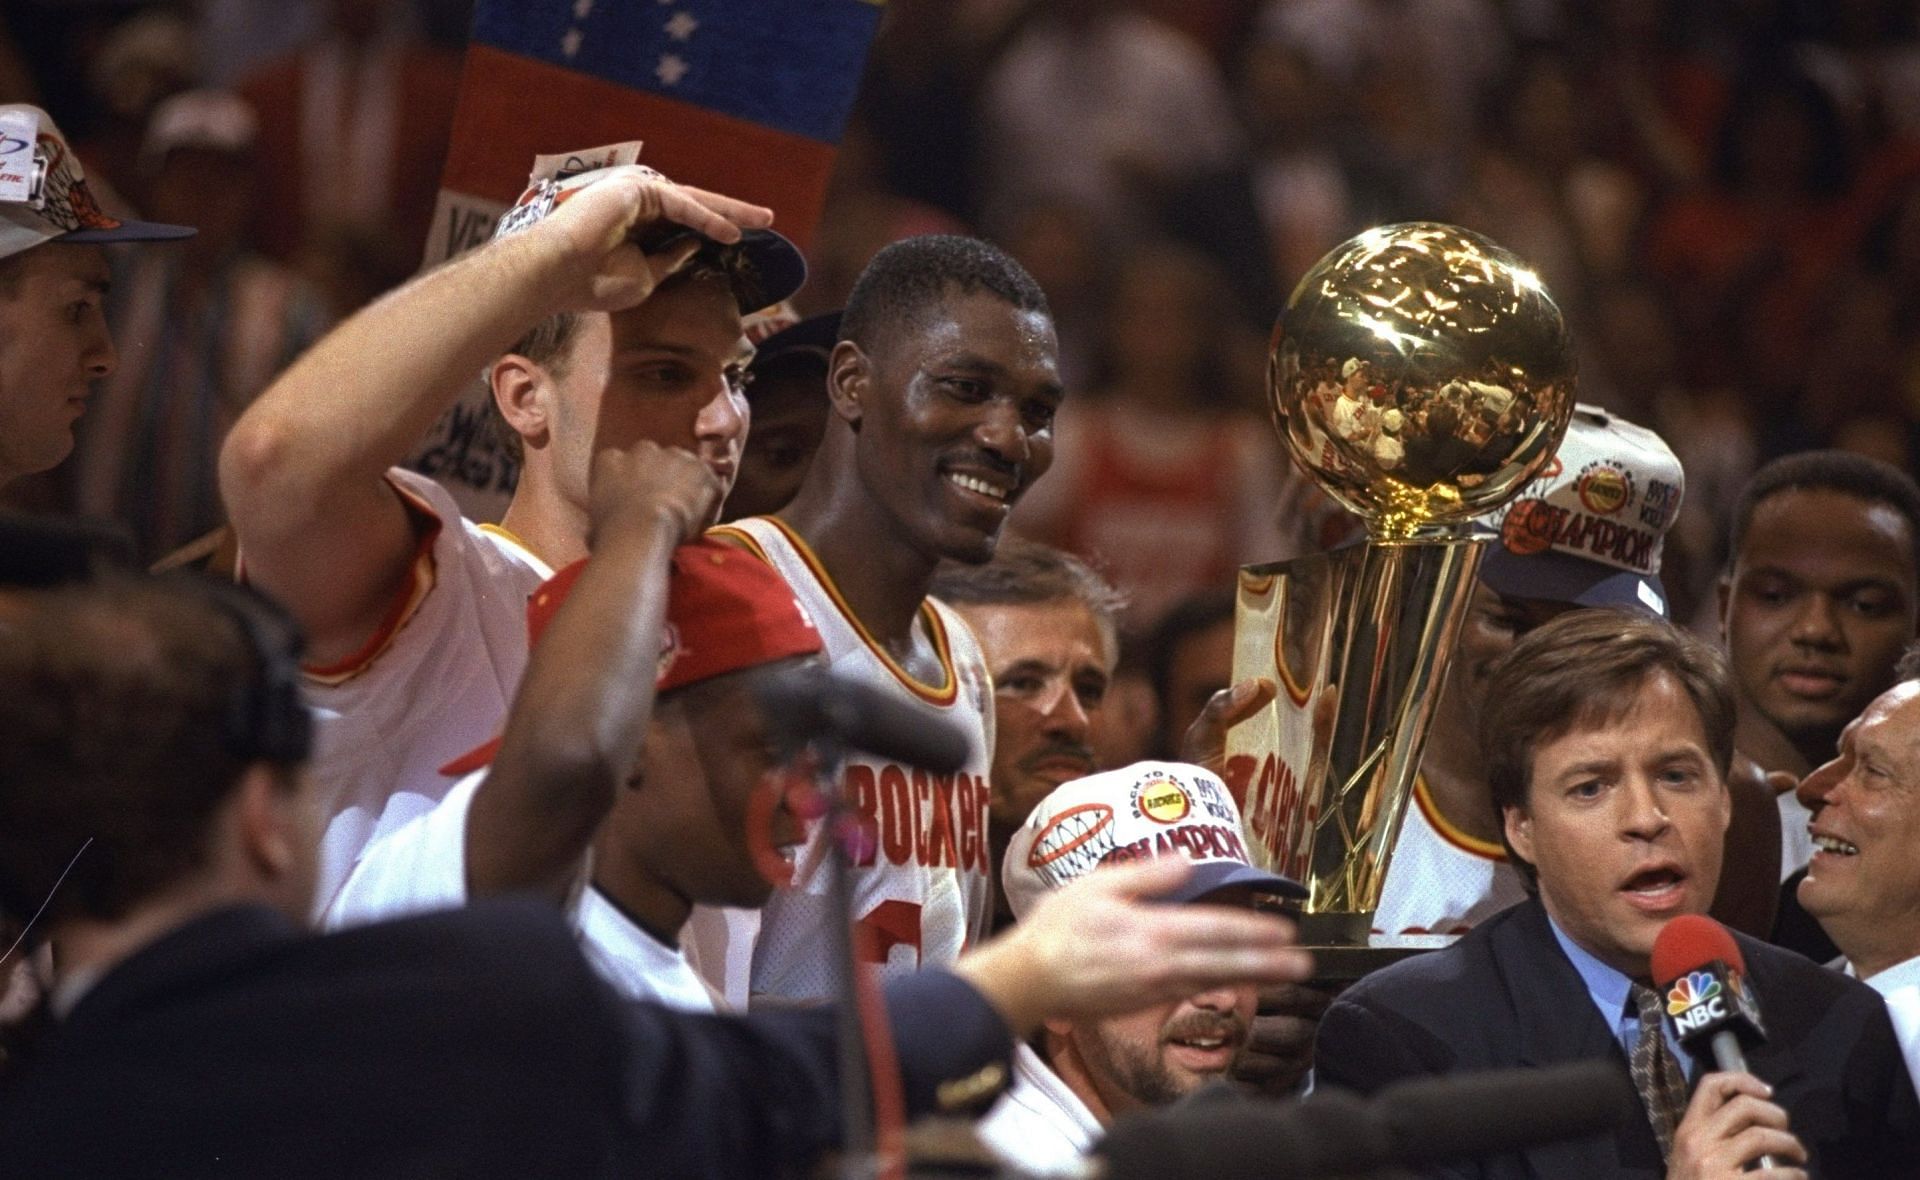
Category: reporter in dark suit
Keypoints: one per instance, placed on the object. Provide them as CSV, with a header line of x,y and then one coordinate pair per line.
x,y
1608,737
152,795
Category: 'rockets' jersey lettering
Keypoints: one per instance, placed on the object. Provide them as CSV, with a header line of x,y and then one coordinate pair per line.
x,y
921,876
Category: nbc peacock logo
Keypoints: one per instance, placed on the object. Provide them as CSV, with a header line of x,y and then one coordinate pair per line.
x,y
1688,990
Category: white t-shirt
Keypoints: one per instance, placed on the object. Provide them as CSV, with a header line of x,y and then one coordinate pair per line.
x,y
1900,986
1441,880
1796,842
924,893
638,965
434,683
1039,1125
422,866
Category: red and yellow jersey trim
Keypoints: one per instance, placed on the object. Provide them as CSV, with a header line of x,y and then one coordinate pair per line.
x,y
1471,845
413,591
943,694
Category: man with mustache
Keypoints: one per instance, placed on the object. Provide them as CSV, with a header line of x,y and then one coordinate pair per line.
x,y
1045,621
1820,598
943,387
1607,737
1074,1077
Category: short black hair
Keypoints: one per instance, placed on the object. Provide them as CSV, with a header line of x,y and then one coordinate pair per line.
x,y
117,737
908,278
1829,471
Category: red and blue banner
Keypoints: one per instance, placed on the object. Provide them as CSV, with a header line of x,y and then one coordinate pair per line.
x,y
744,97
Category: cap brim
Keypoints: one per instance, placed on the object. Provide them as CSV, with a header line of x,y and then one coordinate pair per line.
x,y
1559,577
779,269
129,231
1213,876
819,332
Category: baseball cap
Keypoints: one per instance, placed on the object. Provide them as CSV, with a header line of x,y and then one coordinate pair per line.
x,y
211,120
1590,527
726,610
777,268
812,337
44,195
1141,811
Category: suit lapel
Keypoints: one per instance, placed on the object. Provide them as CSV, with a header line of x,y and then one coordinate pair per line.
x,y
1557,1023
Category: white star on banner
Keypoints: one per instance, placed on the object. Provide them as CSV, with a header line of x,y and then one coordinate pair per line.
x,y
681,27
570,44
671,69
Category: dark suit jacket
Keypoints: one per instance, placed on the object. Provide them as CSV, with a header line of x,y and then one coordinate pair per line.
x,y
471,1043
1505,995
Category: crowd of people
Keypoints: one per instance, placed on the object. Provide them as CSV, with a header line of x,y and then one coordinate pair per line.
x,y
393,840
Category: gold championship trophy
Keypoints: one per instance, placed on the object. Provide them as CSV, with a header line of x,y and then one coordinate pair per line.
x,y
1421,376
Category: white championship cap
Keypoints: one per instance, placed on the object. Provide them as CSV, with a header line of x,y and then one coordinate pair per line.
x,y
1589,529
44,195
1145,810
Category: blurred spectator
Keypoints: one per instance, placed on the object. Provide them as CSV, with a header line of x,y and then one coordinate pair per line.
x,y
1098,101
1267,217
352,129
1161,473
203,328
142,62
1189,657
1059,243
917,101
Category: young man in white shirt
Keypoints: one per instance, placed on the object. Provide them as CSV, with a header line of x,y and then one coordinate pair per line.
x,y
415,614
1075,1076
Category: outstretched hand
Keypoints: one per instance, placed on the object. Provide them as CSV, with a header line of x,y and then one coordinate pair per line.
x,y
1104,945
1205,743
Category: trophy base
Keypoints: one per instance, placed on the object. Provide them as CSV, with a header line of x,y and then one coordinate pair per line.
x,y
1337,966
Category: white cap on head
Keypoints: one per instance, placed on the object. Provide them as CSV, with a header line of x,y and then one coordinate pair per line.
x,y
1590,527
1138,812
44,195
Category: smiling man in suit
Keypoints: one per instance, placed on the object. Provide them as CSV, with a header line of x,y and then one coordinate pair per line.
x,y
1607,737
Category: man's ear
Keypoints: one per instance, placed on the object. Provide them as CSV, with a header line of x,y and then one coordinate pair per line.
x,y
849,371
519,387
270,831
1519,829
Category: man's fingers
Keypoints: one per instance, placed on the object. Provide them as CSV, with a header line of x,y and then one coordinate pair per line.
x,y
1206,739
1755,1142
719,218
1782,783
1143,878
1719,1088
1294,999
741,213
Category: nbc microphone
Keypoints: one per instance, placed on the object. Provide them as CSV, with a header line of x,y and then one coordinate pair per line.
x,y
1701,976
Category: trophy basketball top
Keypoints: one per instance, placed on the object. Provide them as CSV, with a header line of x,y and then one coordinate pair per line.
x,y
1421,375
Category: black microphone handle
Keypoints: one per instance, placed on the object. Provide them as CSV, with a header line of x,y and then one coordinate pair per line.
x,y
813,703
1729,1057
1413,1123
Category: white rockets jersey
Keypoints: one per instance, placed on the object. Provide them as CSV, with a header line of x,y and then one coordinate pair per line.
x,y
923,887
434,683
1441,880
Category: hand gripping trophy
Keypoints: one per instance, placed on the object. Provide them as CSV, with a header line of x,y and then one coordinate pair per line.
x,y
1421,375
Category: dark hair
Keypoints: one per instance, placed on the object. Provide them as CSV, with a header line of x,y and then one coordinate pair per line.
x,y
1829,471
1187,618
907,279
118,736
1025,572
1586,668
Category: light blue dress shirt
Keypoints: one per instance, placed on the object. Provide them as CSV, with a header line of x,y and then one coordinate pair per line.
x,y
1609,989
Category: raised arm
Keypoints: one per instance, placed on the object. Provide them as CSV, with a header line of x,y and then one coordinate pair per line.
x,y
302,472
581,715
